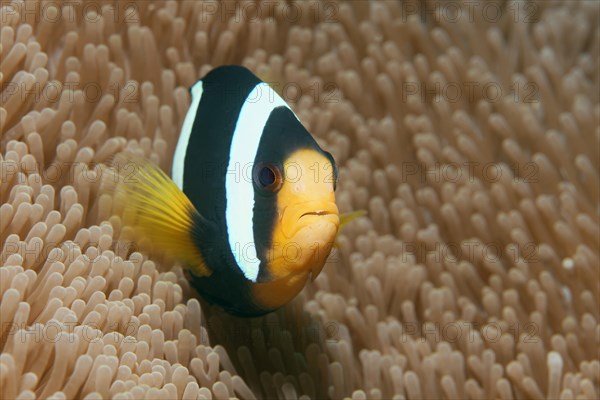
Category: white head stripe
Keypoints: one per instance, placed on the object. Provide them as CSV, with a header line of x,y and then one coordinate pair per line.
x,y
184,137
255,112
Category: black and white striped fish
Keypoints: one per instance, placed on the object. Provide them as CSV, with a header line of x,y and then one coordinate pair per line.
x,y
250,209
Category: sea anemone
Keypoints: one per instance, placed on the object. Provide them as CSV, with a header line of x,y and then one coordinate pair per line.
x,y
469,131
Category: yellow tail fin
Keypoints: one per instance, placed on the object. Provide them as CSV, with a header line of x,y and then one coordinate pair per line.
x,y
151,203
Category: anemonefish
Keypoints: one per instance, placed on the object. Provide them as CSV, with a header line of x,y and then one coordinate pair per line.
x,y
250,207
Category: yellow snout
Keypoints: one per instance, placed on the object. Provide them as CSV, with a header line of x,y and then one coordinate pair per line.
x,y
308,218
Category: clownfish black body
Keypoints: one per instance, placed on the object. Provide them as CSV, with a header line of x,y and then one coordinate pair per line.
x,y
250,210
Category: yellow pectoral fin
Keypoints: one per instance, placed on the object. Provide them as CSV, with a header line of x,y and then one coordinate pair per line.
x,y
346,218
150,202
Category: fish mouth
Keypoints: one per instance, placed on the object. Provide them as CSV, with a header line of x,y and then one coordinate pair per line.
x,y
317,219
310,213
305,235
318,213
315,235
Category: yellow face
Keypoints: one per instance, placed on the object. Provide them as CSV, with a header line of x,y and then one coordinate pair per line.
x,y
306,226
308,218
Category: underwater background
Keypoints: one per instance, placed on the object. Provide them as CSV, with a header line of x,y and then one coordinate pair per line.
x,y
468,131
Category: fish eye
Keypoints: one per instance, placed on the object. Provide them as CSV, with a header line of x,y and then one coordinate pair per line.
x,y
268,177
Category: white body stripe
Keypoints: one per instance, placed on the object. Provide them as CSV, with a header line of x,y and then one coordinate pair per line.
x,y
239,188
184,138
